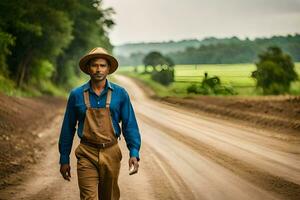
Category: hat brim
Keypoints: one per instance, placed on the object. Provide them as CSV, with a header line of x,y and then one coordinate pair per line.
x,y
112,61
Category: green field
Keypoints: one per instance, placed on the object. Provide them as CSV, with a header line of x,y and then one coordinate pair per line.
x,y
236,75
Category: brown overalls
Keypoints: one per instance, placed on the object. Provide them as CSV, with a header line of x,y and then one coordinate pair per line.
x,y
98,154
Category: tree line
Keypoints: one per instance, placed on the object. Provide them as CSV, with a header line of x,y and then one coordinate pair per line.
x,y
274,74
225,51
42,40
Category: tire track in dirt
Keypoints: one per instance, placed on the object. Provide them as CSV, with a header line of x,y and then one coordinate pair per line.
x,y
156,178
173,183
205,178
263,179
153,180
243,144
276,155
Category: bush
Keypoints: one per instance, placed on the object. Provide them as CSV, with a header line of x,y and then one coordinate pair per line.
x,y
210,86
6,41
193,88
275,71
164,77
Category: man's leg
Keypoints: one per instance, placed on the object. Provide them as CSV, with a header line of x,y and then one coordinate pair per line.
x,y
88,174
109,173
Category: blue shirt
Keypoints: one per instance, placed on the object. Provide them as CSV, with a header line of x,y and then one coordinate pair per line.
x,y
121,111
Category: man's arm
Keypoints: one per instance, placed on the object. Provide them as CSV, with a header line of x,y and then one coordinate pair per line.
x,y
130,131
66,137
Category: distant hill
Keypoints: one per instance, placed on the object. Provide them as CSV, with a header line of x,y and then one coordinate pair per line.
x,y
126,50
209,50
163,47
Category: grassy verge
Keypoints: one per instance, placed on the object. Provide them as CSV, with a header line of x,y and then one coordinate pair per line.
x,y
160,90
46,87
237,76
176,89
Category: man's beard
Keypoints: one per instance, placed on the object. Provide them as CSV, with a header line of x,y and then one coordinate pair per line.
x,y
98,77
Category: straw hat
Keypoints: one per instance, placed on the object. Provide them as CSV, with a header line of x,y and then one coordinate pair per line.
x,y
98,52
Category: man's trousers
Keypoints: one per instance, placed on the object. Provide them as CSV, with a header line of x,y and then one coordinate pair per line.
x,y
98,172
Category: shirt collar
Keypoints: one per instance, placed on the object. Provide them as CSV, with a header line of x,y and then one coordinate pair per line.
x,y
87,86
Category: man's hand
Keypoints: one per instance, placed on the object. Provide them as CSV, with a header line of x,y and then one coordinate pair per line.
x,y
133,165
65,171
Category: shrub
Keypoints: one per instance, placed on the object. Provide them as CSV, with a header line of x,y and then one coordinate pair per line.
x,y
210,86
164,77
275,71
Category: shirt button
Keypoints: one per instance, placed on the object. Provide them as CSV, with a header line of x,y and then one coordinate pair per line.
x,y
98,102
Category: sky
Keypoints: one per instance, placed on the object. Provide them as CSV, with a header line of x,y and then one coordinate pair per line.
x,y
165,20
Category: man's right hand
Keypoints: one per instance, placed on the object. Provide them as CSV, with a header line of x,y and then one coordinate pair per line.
x,y
65,171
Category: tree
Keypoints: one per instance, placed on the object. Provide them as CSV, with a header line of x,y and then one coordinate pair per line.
x,y
6,41
153,59
166,73
275,71
42,40
41,33
91,25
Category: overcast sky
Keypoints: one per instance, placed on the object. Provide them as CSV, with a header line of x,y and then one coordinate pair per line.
x,y
164,20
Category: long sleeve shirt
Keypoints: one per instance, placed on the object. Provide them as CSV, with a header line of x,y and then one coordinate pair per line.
x,y
121,111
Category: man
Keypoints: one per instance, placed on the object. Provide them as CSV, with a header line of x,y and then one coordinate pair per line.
x,y
98,106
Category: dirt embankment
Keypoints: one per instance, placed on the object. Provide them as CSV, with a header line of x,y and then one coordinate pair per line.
x,y
280,113
20,122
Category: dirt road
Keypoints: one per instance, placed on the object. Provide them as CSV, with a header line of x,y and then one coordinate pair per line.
x,y
184,156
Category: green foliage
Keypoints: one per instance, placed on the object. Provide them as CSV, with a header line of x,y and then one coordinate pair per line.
x,y
233,76
41,70
44,32
91,24
194,88
41,41
6,41
210,86
164,77
158,88
211,82
275,71
210,50
155,59
66,74
6,85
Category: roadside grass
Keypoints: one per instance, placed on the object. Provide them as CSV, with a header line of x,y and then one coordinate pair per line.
x,y
160,90
9,87
237,76
232,75
44,87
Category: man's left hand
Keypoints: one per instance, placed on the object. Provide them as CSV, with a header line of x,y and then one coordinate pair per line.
x,y
133,165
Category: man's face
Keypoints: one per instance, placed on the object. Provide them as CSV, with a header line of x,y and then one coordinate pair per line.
x,y
98,69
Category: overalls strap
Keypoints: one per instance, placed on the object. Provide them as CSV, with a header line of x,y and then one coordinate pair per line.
x,y
87,99
108,98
